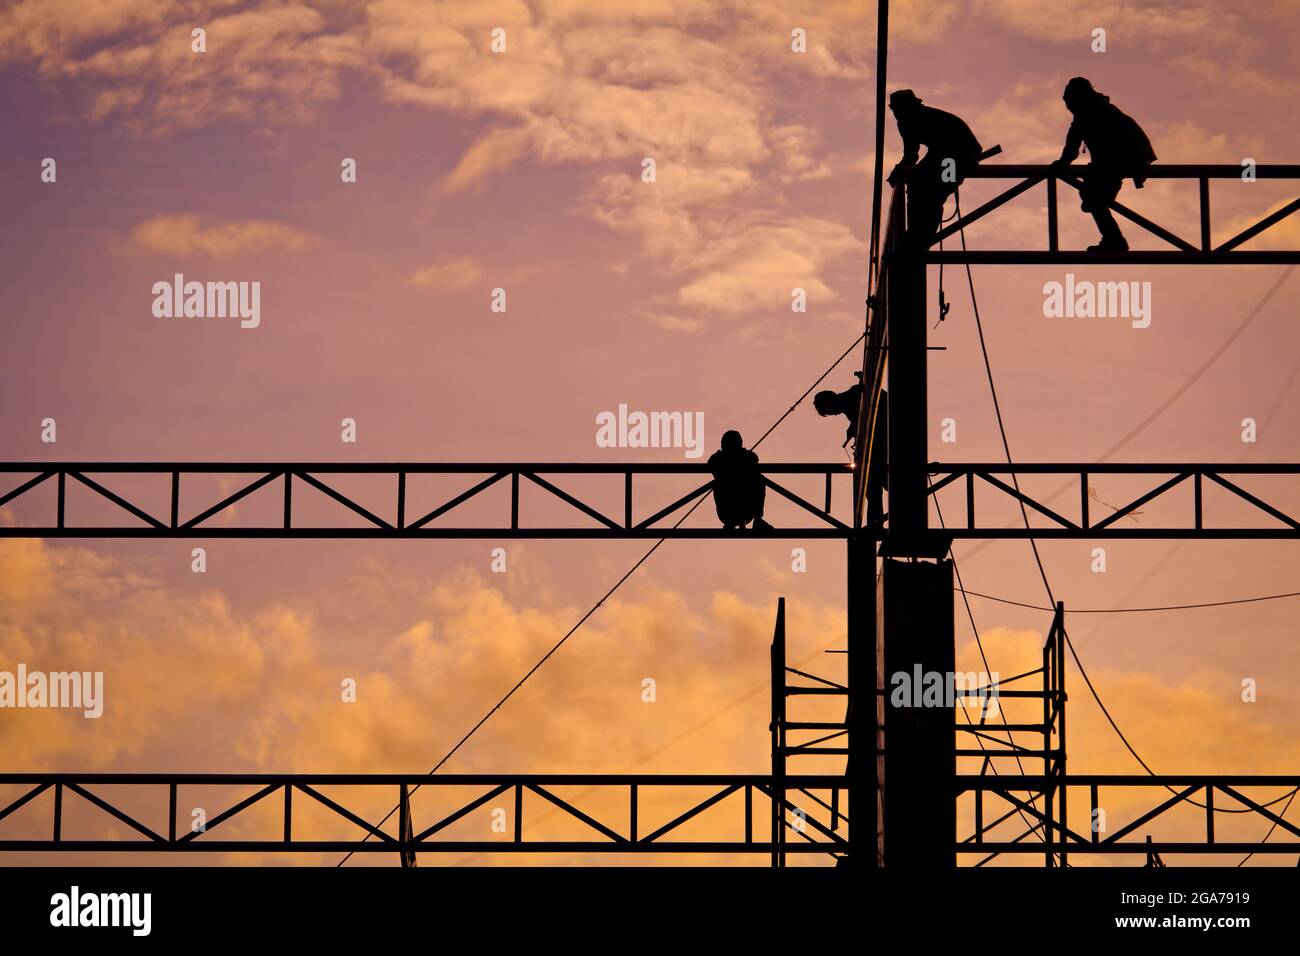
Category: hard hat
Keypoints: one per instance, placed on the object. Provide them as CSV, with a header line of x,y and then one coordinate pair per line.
x,y
903,98
1079,86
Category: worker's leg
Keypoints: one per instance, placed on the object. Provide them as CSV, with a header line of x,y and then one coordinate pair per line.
x,y
875,502
927,193
726,508
1099,190
759,500
924,212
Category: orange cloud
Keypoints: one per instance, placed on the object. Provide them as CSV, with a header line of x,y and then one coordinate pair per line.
x,y
1195,723
192,683
495,151
593,85
184,235
448,274
757,267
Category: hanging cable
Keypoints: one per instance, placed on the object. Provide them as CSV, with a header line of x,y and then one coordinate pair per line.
x,y
607,595
979,643
1169,400
1135,610
988,368
1282,813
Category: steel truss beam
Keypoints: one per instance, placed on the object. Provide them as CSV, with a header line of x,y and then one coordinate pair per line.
x,y
1076,521
1183,251
632,834
1164,482
1209,796
401,520
1012,794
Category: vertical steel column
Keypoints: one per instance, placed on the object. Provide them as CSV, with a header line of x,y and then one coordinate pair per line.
x,y
908,452
404,828
1049,710
1053,229
920,797
778,737
860,720
1205,214
878,173
1059,692
288,499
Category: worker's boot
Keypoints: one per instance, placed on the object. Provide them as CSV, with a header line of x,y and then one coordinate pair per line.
x,y
1110,245
1112,240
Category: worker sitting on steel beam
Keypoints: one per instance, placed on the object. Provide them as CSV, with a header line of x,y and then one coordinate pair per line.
x,y
951,149
1119,150
849,404
739,488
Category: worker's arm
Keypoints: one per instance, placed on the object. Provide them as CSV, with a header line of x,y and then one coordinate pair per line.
x,y
851,407
1073,140
911,150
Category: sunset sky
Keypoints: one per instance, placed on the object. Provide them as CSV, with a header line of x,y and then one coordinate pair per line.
x,y
522,170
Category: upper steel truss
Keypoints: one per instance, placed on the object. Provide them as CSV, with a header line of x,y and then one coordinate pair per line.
x,y
1182,250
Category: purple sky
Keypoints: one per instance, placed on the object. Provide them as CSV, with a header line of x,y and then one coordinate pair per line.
x,y
522,170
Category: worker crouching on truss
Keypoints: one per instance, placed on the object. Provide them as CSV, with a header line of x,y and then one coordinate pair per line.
x,y
739,489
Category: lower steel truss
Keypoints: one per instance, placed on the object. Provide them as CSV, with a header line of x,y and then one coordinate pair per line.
x,y
633,807
1128,814
1131,815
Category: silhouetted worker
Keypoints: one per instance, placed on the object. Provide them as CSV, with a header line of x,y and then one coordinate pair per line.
x,y
849,403
1119,150
738,486
951,150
